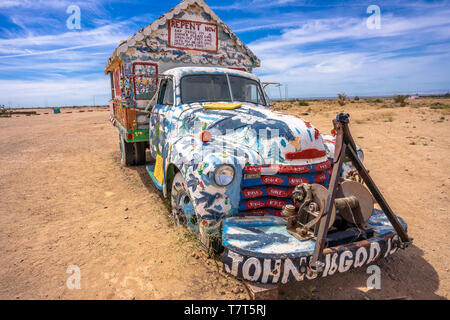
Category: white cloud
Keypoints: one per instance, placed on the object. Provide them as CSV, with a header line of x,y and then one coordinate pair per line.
x,y
325,56
362,74
261,4
32,45
46,4
11,3
321,30
55,92
58,69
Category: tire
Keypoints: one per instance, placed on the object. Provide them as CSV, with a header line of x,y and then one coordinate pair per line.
x,y
183,211
140,148
184,214
127,154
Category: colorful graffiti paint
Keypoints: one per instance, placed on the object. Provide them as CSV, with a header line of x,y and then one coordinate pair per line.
x,y
260,249
245,137
145,77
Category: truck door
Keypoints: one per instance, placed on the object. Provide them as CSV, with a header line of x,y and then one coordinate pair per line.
x,y
158,125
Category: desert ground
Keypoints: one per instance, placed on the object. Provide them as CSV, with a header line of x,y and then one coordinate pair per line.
x,y
66,200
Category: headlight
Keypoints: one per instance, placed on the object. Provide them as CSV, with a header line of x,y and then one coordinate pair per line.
x,y
224,175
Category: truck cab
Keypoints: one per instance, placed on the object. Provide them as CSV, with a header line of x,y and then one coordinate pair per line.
x,y
212,133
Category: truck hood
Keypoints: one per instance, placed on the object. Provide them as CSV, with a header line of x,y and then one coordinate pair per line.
x,y
278,138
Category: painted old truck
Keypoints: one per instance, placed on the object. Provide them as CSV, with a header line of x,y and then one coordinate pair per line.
x,y
251,182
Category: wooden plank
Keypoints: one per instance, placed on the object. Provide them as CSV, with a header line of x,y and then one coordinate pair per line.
x,y
23,112
260,291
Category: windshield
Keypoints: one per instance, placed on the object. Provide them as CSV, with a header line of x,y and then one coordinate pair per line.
x,y
213,87
246,90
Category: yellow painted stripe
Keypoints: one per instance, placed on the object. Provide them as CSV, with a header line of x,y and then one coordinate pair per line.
x,y
222,105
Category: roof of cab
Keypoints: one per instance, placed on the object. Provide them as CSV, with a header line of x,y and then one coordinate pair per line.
x,y
183,71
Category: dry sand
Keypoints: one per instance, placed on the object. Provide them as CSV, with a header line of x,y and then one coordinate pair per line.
x,y
66,200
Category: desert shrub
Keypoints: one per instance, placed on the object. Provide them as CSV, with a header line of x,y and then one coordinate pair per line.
x,y
377,100
302,103
342,97
356,98
438,105
400,98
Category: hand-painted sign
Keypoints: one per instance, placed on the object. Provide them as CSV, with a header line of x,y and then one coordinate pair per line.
x,y
290,268
193,35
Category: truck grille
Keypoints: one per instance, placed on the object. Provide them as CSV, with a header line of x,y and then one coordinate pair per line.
x,y
265,189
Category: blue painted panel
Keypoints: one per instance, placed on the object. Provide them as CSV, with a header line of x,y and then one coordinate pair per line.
x,y
268,234
151,170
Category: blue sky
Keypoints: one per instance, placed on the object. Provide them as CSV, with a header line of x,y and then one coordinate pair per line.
x,y
317,48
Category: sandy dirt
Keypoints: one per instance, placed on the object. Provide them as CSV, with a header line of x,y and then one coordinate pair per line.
x,y
66,200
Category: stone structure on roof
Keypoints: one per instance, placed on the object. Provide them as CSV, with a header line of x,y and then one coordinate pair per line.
x,y
190,34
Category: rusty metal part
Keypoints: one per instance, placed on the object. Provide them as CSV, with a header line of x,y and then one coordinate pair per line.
x,y
353,201
311,201
354,176
288,210
302,195
345,146
349,202
357,213
339,154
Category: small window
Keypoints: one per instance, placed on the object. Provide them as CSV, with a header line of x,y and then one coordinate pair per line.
x,y
166,93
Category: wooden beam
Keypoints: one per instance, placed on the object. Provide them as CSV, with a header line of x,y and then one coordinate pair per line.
x,y
260,291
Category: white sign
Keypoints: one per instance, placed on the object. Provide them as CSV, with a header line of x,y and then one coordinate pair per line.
x,y
193,35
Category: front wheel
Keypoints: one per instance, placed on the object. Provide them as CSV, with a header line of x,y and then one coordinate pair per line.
x,y
183,210
184,214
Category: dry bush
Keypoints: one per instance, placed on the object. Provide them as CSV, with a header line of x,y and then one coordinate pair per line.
x,y
400,98
342,97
